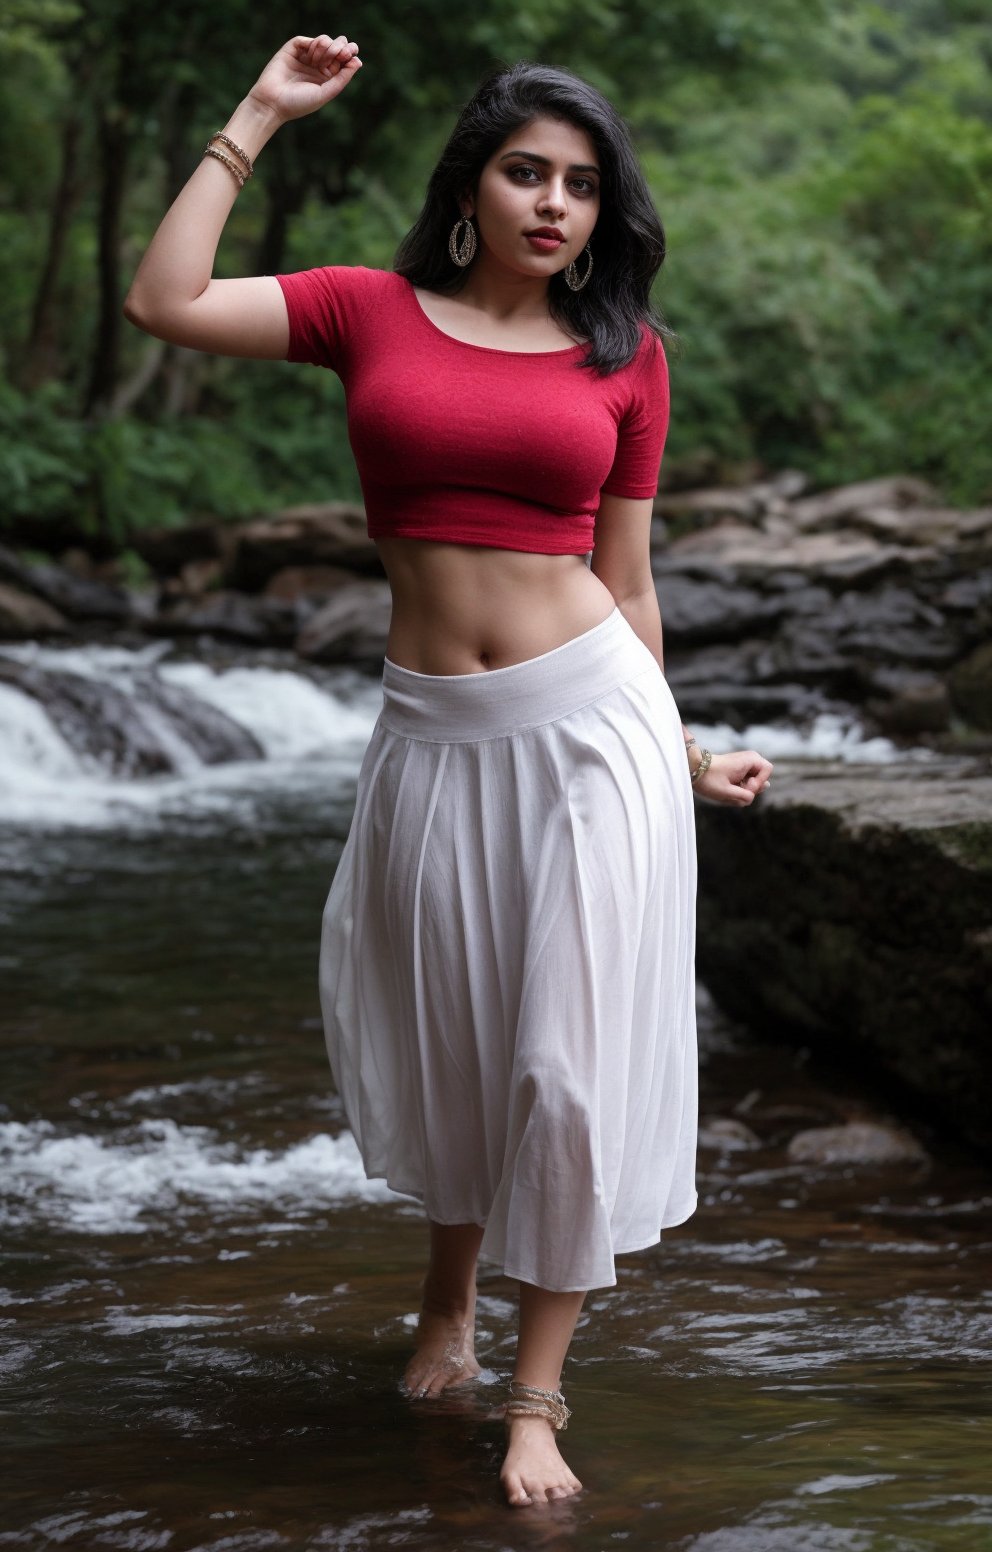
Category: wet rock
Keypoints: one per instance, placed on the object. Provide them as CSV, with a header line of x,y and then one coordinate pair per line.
x,y
234,616
916,703
716,610
330,533
198,576
724,1134
156,729
830,506
849,909
72,595
970,687
856,1142
168,550
896,627
294,582
709,505
22,615
922,525
351,627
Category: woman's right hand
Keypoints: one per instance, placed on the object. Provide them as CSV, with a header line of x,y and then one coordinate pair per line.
x,y
304,74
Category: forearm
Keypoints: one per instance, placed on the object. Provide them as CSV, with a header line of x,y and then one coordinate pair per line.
x,y
179,261
644,617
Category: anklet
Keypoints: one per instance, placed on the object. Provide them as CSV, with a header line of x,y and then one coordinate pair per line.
x,y
535,1402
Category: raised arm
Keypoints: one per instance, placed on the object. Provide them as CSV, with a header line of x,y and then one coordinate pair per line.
x,y
173,295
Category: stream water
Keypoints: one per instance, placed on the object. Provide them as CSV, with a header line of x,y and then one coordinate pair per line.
x,y
205,1308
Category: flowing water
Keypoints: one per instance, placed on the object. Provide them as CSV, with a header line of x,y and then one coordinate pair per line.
x,y
205,1308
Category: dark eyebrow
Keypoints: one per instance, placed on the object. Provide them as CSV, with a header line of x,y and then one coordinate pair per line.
x,y
534,157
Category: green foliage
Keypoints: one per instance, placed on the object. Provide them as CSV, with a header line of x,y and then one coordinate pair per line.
x,y
112,477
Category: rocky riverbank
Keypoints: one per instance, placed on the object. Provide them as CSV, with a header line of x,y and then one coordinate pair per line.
x,y
852,914
776,603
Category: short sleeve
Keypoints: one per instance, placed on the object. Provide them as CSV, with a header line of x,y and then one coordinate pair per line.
x,y
326,308
643,427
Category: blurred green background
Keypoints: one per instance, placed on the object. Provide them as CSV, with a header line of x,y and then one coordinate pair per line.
x,y
822,168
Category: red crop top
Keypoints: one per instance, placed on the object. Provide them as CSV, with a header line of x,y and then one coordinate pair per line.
x,y
471,444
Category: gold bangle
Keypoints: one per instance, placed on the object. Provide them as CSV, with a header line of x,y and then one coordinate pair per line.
x,y
210,151
219,134
703,765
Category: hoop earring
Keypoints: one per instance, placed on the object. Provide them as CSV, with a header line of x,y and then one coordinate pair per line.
x,y
572,275
462,250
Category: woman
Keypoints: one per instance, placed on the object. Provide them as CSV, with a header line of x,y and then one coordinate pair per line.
x,y
506,968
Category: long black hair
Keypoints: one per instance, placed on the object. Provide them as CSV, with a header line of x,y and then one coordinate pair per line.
x,y
628,243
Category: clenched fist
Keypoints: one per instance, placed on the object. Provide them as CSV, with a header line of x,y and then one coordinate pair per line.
x,y
305,74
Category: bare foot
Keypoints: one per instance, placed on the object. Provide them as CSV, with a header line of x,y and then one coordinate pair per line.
x,y
445,1348
533,1471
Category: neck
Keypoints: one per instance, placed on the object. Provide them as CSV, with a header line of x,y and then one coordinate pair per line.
x,y
502,294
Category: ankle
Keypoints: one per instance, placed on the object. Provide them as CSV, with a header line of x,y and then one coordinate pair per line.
x,y
440,1298
541,1401
528,1425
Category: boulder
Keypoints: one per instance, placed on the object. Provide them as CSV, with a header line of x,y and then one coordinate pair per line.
x,y
148,732
235,616
22,615
709,505
70,594
352,627
857,1142
849,910
922,525
312,582
970,686
168,550
725,1134
828,507
330,533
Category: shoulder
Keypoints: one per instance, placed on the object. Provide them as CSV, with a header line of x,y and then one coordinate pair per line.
x,y
651,351
329,307
647,369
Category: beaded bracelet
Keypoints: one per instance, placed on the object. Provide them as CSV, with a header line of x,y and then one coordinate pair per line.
x,y
210,150
219,134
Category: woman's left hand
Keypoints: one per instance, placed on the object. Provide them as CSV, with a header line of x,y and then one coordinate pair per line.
x,y
736,777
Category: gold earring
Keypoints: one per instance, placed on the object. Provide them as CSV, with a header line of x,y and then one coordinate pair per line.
x,y
462,250
572,274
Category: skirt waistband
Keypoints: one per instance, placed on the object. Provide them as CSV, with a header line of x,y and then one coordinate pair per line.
x,y
457,708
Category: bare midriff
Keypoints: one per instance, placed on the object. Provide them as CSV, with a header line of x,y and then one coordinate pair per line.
x,y
466,608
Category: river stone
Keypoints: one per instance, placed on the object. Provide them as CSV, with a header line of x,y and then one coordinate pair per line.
x,y
132,735
65,590
235,616
693,610
849,909
828,507
919,705
857,1142
307,581
923,525
168,550
329,533
725,1134
709,504
352,627
970,685
23,615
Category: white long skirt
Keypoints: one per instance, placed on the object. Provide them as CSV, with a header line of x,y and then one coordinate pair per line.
x,y
507,955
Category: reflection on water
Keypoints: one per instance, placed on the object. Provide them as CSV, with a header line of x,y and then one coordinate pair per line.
x,y
205,1308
